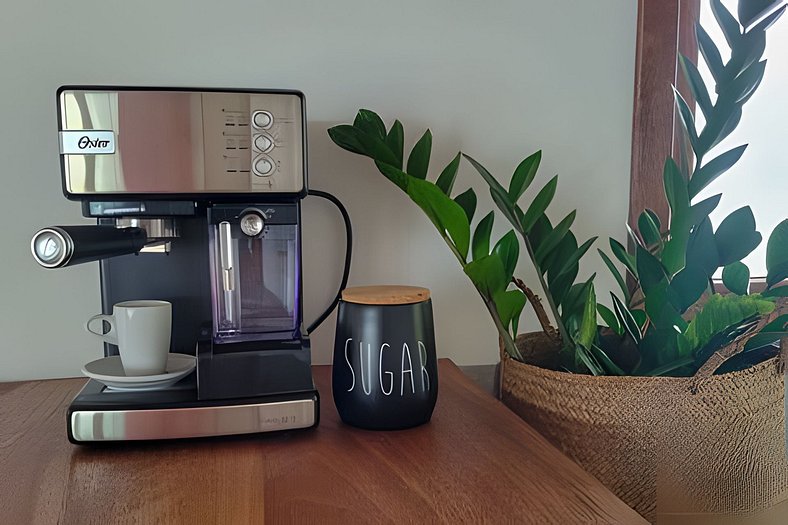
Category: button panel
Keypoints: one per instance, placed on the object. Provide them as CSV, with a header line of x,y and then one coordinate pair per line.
x,y
275,137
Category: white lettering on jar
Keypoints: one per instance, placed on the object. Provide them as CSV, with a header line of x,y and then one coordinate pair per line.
x,y
366,363
369,366
409,370
425,377
380,372
347,360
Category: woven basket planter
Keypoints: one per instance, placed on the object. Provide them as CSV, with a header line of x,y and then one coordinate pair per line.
x,y
664,445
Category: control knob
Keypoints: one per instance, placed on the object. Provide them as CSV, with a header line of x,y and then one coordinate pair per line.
x,y
263,142
262,119
263,166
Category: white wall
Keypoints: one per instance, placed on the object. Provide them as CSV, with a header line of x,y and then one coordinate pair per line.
x,y
495,79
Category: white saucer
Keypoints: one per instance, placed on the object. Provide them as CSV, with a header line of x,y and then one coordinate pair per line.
x,y
109,371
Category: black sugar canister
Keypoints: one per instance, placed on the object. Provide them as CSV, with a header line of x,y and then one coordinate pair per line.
x,y
385,373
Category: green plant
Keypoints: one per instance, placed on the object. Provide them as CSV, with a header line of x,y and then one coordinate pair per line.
x,y
554,251
555,254
671,321
672,267
490,269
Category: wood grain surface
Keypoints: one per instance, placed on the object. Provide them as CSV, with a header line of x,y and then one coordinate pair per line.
x,y
474,462
665,28
385,294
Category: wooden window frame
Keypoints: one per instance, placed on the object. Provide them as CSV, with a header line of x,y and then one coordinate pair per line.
x,y
665,29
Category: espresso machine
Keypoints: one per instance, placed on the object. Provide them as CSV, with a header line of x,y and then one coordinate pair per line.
x,y
197,199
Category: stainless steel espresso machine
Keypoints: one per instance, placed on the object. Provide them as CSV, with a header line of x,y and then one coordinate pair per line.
x,y
197,196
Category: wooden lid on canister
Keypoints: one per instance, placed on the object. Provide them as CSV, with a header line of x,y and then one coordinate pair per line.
x,y
385,294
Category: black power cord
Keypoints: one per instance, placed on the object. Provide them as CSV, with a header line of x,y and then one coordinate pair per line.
x,y
348,252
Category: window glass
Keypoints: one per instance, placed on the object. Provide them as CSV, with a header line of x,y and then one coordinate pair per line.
x,y
760,178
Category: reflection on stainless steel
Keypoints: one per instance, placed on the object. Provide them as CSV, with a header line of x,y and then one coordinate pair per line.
x,y
181,142
157,229
159,247
59,246
51,247
252,222
227,260
175,423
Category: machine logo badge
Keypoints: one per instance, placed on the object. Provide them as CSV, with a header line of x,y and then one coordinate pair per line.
x,y
87,142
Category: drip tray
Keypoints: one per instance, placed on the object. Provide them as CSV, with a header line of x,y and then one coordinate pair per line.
x,y
99,415
250,373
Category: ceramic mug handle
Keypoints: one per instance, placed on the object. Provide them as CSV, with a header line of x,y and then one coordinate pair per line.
x,y
110,337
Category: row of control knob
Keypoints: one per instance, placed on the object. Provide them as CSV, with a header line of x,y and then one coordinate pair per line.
x,y
263,165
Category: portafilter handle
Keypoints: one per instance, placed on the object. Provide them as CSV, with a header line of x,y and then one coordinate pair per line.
x,y
58,246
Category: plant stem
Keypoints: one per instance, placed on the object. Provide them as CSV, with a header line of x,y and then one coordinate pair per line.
x,y
558,321
508,342
509,345
536,304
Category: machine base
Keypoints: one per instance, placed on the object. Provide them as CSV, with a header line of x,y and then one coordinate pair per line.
x,y
101,415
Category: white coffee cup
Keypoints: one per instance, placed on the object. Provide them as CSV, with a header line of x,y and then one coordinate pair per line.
x,y
141,330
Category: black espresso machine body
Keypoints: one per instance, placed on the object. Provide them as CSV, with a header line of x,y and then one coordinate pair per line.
x,y
212,181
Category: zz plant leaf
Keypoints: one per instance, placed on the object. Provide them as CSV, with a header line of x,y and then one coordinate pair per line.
x,y
626,320
711,55
702,249
554,237
488,274
729,25
369,122
524,176
610,319
673,255
777,254
419,159
736,236
751,11
649,228
395,140
736,278
621,254
447,177
481,237
508,249
538,205
719,314
510,305
467,201
616,274
700,211
696,84
769,334
688,286
713,169
587,332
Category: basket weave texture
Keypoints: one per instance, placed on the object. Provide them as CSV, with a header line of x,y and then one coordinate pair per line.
x,y
663,444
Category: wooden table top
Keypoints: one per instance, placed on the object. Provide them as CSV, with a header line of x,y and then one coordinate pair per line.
x,y
474,462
